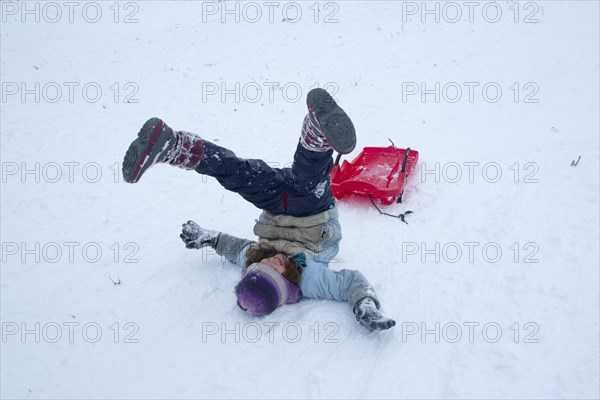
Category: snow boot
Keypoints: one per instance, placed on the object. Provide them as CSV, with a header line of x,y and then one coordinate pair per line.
x,y
369,316
327,126
158,143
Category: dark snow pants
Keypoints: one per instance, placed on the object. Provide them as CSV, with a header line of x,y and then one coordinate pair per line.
x,y
299,191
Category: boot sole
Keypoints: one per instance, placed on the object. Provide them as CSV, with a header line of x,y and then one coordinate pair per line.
x,y
333,121
146,149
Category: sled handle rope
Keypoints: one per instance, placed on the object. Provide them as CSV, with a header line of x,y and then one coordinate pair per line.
x,y
337,159
399,216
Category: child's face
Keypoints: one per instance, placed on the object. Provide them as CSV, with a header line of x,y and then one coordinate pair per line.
x,y
277,262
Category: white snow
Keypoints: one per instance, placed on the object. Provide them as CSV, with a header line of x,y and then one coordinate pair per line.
x,y
320,189
171,327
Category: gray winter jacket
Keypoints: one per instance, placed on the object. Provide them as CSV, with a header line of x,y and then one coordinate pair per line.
x,y
317,236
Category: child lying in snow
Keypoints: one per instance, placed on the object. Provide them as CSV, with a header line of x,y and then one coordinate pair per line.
x,y
298,231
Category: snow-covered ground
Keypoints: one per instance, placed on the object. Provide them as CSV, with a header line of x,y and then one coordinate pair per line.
x,y
494,283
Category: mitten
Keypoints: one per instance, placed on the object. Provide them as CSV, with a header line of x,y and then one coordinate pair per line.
x,y
196,237
369,316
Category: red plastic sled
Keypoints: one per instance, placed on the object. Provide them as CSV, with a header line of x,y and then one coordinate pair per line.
x,y
377,171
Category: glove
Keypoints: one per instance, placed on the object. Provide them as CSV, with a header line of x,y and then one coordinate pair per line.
x,y
369,316
196,237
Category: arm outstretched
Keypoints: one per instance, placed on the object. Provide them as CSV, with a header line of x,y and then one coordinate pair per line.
x,y
230,247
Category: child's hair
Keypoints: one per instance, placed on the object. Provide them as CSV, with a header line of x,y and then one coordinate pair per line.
x,y
259,251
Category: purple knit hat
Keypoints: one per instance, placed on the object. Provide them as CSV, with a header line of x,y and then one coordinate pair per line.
x,y
262,290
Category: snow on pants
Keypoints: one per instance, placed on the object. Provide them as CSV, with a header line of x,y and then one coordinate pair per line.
x,y
300,191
